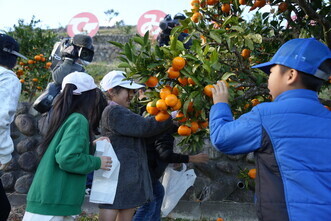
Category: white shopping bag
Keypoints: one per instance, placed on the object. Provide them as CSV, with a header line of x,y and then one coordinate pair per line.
x,y
175,185
105,182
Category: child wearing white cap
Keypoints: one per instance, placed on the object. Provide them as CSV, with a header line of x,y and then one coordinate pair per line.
x,y
290,136
127,132
58,188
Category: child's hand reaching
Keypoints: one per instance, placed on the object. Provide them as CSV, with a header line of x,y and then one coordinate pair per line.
x,y
220,93
106,163
199,158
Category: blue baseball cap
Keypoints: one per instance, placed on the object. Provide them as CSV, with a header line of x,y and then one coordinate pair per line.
x,y
302,54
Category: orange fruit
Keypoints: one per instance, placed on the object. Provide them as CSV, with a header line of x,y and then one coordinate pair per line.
x,y
190,81
190,107
37,57
194,2
22,80
171,100
164,92
219,219
207,90
260,3
172,73
181,117
242,2
39,88
245,53
195,8
35,79
161,105
203,124
22,63
162,116
177,106
152,81
252,173
184,130
178,63
226,8
255,102
183,81
196,17
212,2
43,59
19,72
282,7
150,109
194,126
175,91
48,64
30,62
203,39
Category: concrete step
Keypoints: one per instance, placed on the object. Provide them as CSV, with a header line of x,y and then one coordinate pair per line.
x,y
208,210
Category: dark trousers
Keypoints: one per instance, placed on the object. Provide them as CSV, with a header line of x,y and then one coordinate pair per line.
x,y
151,211
4,204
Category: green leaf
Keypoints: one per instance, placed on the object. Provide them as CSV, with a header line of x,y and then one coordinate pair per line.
x,y
128,52
117,44
231,20
249,43
146,37
215,36
227,75
158,52
124,65
237,28
138,40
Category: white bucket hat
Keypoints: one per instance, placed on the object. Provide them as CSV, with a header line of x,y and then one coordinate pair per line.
x,y
83,82
116,78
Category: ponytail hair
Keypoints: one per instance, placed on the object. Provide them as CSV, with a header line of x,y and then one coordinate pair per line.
x,y
88,103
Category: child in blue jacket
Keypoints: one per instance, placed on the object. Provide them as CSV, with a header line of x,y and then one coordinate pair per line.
x,y
291,136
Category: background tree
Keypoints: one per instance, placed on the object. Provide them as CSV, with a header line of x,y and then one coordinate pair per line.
x,y
36,44
224,47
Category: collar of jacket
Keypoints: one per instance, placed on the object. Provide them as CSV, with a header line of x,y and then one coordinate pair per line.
x,y
297,93
5,70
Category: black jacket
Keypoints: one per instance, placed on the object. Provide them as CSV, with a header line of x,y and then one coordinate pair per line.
x,y
160,154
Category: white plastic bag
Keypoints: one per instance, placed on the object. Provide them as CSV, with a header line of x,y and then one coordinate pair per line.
x,y
105,182
175,185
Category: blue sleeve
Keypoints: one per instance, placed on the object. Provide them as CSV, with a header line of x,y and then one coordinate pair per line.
x,y
230,136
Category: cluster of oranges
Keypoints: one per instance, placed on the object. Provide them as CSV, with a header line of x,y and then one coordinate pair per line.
x,y
31,73
226,7
169,101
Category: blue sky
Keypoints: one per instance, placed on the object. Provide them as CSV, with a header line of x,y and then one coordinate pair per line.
x,y
57,13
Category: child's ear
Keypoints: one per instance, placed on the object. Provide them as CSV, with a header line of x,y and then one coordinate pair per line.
x,y
292,77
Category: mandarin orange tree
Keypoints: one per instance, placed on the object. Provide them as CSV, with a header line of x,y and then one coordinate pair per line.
x,y
36,44
224,47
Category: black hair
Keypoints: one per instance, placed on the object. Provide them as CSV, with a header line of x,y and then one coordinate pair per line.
x,y
90,104
7,59
309,81
114,90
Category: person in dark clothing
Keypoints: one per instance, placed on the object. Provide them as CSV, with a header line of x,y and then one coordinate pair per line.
x,y
160,154
166,25
77,53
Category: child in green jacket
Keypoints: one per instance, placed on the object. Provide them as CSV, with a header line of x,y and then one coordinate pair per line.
x,y
58,189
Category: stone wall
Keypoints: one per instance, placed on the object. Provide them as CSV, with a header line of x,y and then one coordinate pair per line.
x,y
216,181
105,51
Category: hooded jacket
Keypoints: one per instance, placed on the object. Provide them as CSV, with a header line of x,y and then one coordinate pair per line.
x,y
10,90
291,138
